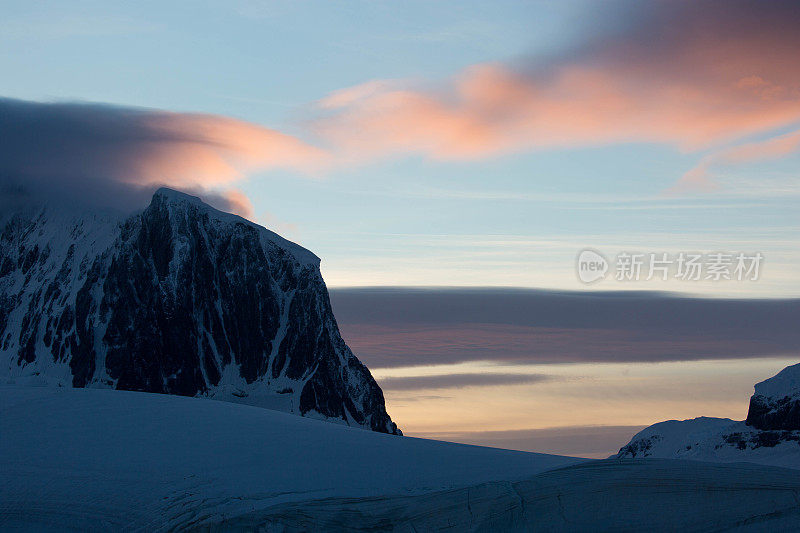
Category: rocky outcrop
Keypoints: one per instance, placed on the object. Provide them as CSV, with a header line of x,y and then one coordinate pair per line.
x,y
776,402
179,299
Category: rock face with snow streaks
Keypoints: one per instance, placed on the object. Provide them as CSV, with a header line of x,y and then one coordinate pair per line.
x,y
180,299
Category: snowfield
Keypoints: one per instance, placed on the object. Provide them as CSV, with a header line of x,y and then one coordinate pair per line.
x,y
93,459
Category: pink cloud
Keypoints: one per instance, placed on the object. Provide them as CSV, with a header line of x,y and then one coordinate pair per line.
x,y
238,203
774,148
214,150
700,179
349,95
691,75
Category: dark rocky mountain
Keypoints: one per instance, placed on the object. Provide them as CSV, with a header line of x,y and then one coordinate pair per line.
x,y
180,299
769,435
776,403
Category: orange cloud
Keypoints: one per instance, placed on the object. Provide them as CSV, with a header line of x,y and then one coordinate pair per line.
x,y
691,75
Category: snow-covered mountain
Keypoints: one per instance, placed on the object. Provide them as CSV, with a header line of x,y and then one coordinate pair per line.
x,y
181,299
770,435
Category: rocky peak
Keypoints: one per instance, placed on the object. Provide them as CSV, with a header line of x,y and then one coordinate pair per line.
x,y
776,402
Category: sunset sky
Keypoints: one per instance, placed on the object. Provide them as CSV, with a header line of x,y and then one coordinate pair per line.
x,y
473,144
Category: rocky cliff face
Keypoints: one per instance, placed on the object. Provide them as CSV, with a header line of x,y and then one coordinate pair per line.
x,y
770,435
776,402
178,299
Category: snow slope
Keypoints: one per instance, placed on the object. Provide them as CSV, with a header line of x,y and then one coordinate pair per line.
x,y
89,459
785,383
93,459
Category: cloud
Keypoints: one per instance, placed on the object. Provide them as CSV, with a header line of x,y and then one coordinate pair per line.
x,y
116,155
693,75
396,327
774,148
420,398
688,74
700,178
234,201
351,95
458,381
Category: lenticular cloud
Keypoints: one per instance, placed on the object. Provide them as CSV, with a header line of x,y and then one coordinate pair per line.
x,y
118,156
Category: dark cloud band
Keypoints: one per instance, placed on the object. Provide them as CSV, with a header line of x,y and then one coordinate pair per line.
x,y
392,327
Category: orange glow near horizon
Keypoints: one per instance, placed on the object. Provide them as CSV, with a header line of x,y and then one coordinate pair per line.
x,y
598,394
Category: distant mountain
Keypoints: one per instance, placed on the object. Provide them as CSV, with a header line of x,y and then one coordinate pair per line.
x,y
770,435
180,299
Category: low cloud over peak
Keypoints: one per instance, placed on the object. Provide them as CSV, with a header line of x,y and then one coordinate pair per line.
x,y
117,156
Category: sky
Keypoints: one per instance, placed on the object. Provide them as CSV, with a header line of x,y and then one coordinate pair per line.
x,y
412,144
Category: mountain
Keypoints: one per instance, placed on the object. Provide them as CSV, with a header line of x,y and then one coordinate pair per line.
x,y
775,406
180,299
101,460
770,435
